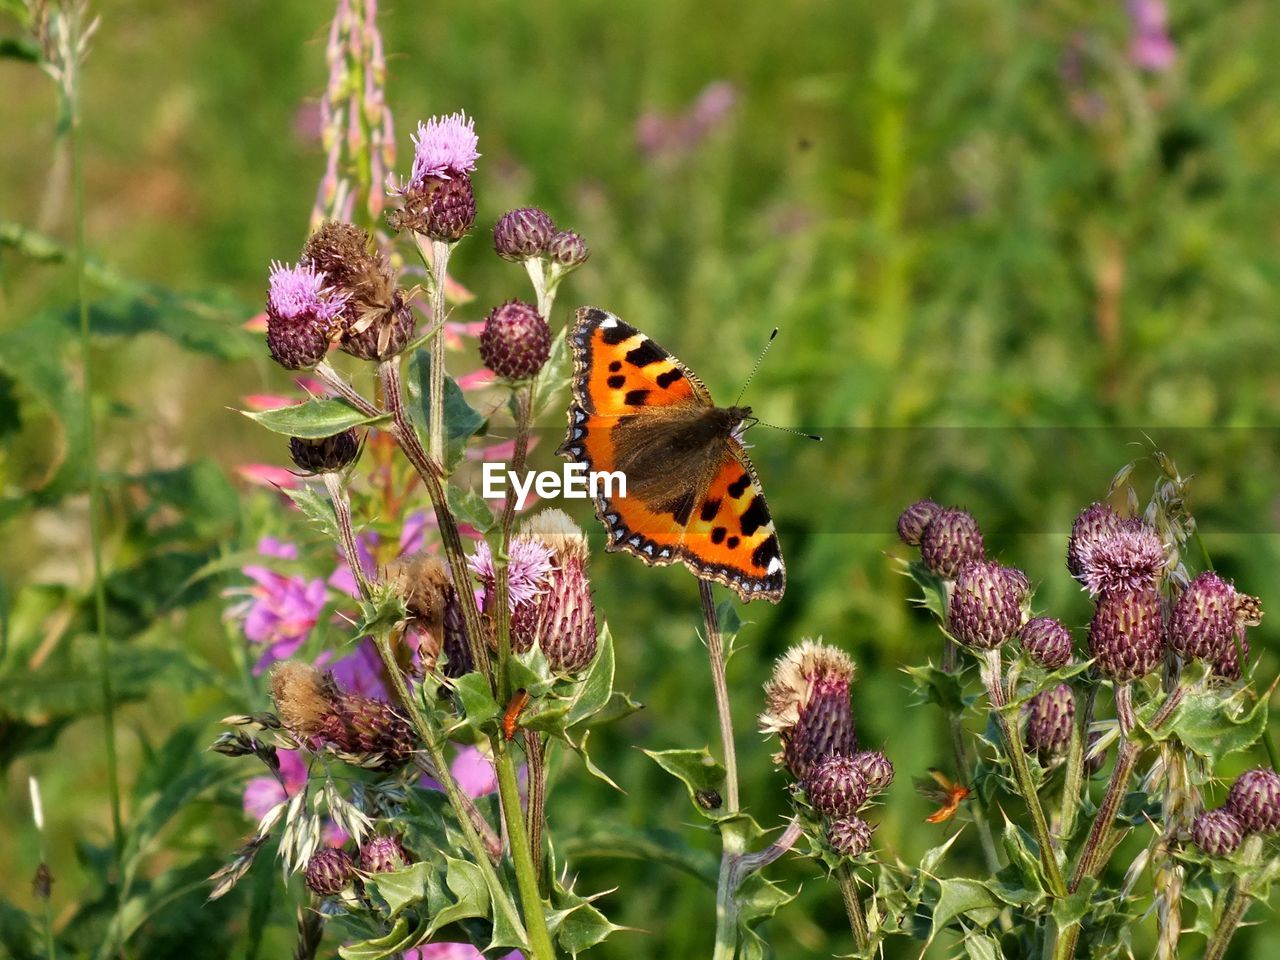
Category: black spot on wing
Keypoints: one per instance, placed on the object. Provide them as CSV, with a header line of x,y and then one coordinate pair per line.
x,y
616,381
617,333
709,510
665,380
755,516
635,398
768,550
739,487
732,543
615,366
648,352
717,535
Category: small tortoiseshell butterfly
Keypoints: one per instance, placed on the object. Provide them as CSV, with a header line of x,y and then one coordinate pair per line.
x,y
691,492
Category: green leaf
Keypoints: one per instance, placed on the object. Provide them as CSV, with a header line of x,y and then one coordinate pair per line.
x,y
663,847
700,773
397,941
400,888
554,375
596,689
476,696
963,897
581,749
316,507
19,48
728,618
466,882
758,899
469,507
1068,911
1211,728
981,947
315,419
461,420
937,686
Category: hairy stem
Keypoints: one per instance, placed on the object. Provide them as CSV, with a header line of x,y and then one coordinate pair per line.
x,y
526,879
1073,785
535,751
853,908
450,538
346,532
1238,901
960,756
991,675
437,262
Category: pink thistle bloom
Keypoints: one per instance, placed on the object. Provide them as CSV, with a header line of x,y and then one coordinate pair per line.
x,y
1132,559
528,567
268,475
300,292
443,147
453,951
1151,48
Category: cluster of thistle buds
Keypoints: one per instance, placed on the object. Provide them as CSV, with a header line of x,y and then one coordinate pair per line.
x,y
332,870
320,715
1252,807
807,705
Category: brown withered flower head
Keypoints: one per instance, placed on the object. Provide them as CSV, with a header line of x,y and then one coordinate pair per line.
x,y
565,624
807,706
377,322
422,581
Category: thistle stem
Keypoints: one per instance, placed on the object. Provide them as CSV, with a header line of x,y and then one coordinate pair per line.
x,y
960,755
450,538
523,397
991,675
1238,901
1073,785
526,879
853,907
435,256
346,532
535,751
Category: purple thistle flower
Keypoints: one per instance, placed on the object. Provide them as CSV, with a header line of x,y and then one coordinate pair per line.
x,y
1150,46
527,568
280,611
299,291
453,951
1096,522
1131,559
443,147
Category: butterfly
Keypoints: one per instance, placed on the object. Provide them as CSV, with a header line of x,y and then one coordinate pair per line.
x,y
692,495
942,790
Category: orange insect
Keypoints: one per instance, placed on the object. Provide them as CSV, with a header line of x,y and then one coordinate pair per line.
x,y
511,716
943,791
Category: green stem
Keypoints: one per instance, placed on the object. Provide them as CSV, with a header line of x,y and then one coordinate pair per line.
x,y
435,255
960,755
71,92
535,750
526,879
853,908
1238,901
427,734
1073,785
1022,772
346,532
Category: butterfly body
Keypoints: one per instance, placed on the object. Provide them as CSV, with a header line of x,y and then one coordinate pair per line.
x,y
942,790
692,495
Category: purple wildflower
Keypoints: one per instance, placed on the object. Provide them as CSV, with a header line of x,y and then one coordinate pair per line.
x,y
300,292
1150,46
443,147
528,566
453,951
280,611
1131,559
473,771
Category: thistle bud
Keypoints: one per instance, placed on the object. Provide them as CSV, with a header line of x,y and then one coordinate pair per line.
x,y
515,341
807,706
302,312
437,199
1126,636
522,234
835,786
565,627
1248,613
913,520
1094,523
1217,832
1050,715
949,541
876,770
383,855
326,455
1047,642
849,836
1131,559
1203,620
568,249
986,605
329,872
1254,800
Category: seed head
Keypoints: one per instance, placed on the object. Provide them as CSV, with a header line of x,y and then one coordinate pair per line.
x,y
1047,642
949,541
523,234
1217,832
383,855
986,605
1203,620
1094,523
370,731
1050,715
457,653
515,341
849,836
326,455
876,769
836,787
1132,558
807,706
303,696
568,249
329,872
1126,636
422,581
386,336
913,520
1255,800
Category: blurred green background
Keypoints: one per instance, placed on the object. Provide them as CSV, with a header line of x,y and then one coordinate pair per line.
x,y
1002,252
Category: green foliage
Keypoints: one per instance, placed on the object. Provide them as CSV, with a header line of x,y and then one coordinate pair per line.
x,y
315,419
461,420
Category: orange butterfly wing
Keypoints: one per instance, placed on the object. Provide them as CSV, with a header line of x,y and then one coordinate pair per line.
x,y
728,535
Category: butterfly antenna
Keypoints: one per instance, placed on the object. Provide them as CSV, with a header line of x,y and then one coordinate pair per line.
x,y
798,433
759,360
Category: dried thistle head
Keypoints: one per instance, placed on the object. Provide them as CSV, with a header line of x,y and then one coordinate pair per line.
x,y
422,581
807,705
557,530
304,697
